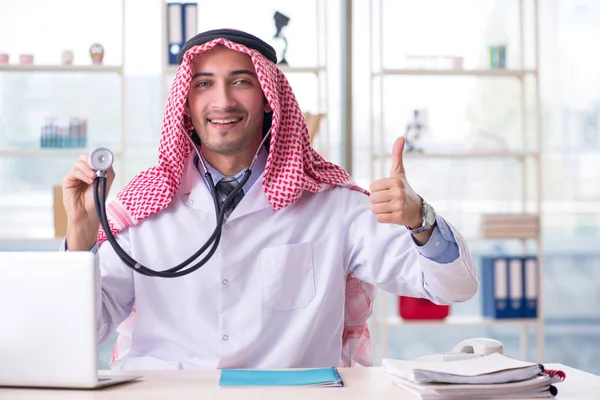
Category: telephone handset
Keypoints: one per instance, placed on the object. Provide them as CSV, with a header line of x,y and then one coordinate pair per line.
x,y
470,348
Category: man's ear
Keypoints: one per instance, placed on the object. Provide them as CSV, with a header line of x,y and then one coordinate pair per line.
x,y
186,109
267,107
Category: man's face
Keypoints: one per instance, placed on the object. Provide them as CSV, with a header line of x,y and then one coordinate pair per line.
x,y
225,101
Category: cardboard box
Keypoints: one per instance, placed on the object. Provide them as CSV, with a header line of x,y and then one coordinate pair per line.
x,y
60,214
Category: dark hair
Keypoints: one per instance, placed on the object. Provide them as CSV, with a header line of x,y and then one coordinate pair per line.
x,y
233,35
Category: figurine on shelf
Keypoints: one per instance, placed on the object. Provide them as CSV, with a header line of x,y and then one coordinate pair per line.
x,y
281,22
97,53
67,57
26,59
414,132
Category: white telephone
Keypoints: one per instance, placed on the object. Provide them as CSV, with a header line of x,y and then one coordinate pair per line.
x,y
470,348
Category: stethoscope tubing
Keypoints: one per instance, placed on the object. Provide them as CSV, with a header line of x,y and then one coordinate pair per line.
x,y
213,240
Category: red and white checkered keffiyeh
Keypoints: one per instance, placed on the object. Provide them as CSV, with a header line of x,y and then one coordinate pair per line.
x,y
292,167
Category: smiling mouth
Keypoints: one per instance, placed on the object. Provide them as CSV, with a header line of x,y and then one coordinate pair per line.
x,y
224,121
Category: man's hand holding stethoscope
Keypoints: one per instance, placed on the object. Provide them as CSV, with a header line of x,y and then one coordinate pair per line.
x,y
78,200
393,201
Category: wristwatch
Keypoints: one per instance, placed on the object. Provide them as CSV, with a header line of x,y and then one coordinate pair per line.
x,y
428,218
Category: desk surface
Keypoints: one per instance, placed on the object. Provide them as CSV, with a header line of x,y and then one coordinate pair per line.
x,y
360,383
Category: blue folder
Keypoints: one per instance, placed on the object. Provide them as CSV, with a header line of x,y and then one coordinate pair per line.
x,y
295,377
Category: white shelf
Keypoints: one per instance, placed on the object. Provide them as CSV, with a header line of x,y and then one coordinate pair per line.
x,y
518,155
61,68
58,152
492,238
301,70
172,69
474,320
503,73
30,240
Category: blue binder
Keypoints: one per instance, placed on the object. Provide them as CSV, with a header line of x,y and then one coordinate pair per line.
x,y
494,283
509,287
530,287
516,288
181,26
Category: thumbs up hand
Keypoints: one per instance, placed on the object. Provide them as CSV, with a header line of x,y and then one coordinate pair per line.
x,y
393,201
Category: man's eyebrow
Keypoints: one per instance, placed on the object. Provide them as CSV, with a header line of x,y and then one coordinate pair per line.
x,y
197,74
232,73
242,72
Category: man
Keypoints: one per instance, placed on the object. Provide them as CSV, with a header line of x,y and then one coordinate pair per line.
x,y
291,282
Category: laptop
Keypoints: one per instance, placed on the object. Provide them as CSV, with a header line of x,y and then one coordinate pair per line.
x,y
48,321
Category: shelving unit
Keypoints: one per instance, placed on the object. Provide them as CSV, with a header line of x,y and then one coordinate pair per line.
x,y
322,143
382,320
63,154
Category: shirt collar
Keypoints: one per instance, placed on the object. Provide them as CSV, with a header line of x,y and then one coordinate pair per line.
x,y
256,170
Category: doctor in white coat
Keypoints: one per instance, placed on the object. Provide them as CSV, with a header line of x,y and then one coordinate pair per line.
x,y
290,284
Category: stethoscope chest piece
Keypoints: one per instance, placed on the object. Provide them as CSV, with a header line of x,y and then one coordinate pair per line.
x,y
101,159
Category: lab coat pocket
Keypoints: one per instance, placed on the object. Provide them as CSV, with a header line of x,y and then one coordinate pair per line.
x,y
288,276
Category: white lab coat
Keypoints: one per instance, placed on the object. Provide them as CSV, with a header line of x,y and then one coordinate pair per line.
x,y
272,296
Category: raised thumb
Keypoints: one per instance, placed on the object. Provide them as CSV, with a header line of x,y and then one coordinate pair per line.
x,y
397,161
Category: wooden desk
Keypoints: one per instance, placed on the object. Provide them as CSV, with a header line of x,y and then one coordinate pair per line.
x,y
360,383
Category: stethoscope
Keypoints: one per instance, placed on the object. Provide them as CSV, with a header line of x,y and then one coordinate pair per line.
x,y
101,159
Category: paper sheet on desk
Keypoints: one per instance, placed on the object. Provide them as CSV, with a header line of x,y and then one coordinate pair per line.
x,y
493,368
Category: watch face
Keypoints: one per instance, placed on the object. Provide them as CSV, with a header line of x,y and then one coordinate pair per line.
x,y
429,215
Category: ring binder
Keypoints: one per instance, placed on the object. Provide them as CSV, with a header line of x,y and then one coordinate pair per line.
x,y
553,373
510,286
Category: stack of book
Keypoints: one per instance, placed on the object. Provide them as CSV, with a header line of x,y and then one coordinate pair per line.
x,y
503,226
493,376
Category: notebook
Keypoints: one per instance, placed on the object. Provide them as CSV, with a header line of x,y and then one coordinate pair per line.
x,y
493,368
316,377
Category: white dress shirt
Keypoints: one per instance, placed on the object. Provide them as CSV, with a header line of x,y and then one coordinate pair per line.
x,y
272,295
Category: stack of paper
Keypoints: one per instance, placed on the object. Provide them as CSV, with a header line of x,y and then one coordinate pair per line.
x,y
494,376
510,226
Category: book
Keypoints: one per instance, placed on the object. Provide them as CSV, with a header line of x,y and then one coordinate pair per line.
x,y
536,387
510,219
494,376
510,226
320,377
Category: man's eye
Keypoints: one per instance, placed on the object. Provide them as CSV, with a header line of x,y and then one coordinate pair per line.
x,y
202,84
242,82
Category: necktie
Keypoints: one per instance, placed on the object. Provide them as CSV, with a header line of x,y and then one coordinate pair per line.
x,y
226,186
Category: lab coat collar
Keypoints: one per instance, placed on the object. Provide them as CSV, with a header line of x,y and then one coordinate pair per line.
x,y
197,195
